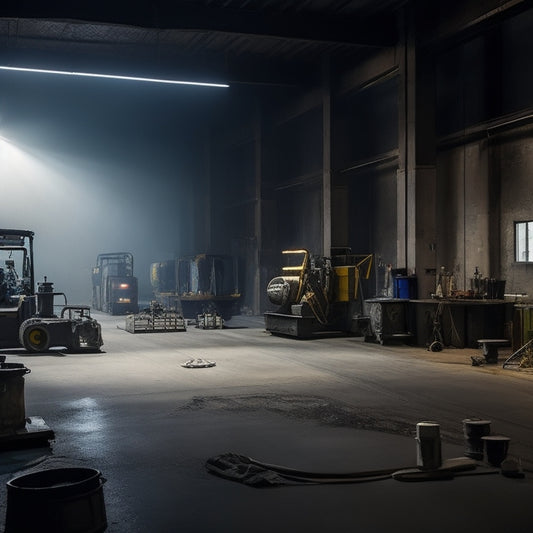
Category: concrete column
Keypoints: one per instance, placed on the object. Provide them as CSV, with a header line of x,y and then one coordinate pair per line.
x,y
258,172
416,183
339,215
202,189
403,153
426,238
326,157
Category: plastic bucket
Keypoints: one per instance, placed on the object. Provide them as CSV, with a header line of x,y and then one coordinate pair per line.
x,y
12,406
405,287
62,500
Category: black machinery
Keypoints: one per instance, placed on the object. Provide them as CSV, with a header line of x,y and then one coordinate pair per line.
x,y
316,294
27,318
204,284
115,289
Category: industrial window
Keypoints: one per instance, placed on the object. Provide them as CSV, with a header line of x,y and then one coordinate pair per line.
x,y
524,242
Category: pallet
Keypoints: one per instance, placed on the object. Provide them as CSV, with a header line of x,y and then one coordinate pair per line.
x,y
209,321
155,323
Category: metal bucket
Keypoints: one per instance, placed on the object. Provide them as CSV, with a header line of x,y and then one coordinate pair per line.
x,y
429,454
62,500
12,406
496,448
474,430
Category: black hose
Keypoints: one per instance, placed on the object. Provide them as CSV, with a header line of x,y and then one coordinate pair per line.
x,y
387,472
249,471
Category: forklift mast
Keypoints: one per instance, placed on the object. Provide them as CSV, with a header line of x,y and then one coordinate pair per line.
x,y
17,277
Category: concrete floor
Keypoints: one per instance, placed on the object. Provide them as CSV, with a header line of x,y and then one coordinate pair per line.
x,y
330,404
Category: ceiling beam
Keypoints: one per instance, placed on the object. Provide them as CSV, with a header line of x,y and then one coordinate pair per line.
x,y
108,59
361,31
455,21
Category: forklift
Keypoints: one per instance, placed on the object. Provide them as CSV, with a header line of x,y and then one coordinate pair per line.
x,y
115,289
27,318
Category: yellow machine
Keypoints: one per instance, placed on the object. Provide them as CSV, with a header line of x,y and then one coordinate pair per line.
x,y
316,294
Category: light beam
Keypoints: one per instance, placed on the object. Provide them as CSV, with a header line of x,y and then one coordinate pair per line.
x,y
115,77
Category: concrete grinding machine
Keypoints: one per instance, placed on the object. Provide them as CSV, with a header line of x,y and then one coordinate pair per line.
x,y
316,294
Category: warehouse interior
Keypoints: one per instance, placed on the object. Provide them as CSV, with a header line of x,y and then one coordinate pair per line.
x,y
399,129
396,128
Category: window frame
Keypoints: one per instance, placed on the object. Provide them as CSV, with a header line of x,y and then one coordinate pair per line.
x,y
523,242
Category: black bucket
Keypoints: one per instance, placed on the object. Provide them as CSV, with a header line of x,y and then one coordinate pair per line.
x,y
474,430
62,500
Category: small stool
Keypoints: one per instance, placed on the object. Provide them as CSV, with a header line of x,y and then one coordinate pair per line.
x,y
489,348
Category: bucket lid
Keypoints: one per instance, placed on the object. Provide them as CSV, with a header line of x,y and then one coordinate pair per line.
x,y
428,429
54,482
496,437
12,369
475,422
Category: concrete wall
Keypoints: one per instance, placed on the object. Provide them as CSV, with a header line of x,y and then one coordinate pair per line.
x,y
266,185
483,107
294,179
463,212
365,162
483,189
516,169
372,214
428,167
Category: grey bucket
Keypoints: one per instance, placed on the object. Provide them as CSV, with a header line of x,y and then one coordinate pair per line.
x,y
12,407
62,500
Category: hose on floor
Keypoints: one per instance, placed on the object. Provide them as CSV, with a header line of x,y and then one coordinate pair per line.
x,y
255,473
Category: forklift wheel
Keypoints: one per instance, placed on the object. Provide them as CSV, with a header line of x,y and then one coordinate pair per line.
x,y
36,338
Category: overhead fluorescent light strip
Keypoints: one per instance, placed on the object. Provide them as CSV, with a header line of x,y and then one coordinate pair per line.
x,y
114,77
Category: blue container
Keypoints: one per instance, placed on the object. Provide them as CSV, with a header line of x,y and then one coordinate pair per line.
x,y
405,287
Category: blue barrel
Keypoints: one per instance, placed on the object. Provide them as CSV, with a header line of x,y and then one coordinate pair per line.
x,y
405,287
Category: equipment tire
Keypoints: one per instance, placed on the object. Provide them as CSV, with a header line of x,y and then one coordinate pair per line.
x,y
26,324
36,338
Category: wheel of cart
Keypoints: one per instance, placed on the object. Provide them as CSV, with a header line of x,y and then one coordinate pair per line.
x,y
34,335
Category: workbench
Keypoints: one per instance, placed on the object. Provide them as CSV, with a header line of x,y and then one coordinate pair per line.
x,y
463,321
